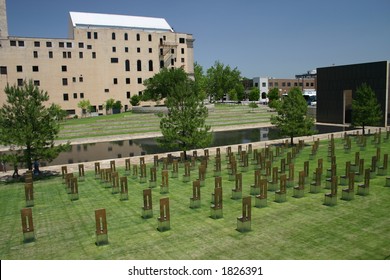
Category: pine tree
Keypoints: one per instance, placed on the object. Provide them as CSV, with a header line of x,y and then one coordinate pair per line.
x,y
27,126
184,126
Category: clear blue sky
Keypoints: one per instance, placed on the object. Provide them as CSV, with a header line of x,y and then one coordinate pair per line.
x,y
278,38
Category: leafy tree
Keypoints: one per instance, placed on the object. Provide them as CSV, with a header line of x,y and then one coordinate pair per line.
x,y
233,95
109,104
221,79
240,90
135,100
85,106
27,126
291,118
158,87
184,125
201,81
365,107
254,94
273,97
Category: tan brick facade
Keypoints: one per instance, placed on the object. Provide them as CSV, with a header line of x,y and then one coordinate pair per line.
x,y
94,63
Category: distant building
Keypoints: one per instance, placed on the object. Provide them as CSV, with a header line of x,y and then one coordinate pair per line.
x,y
105,56
336,87
283,85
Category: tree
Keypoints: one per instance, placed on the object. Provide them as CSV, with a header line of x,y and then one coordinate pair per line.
x,y
254,94
135,100
291,118
85,106
273,97
221,79
200,81
158,87
27,126
109,104
184,126
365,108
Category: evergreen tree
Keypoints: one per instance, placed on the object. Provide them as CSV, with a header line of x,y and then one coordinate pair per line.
x,y
27,126
365,108
291,118
184,126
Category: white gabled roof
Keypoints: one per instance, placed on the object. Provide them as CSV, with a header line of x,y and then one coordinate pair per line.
x,y
121,21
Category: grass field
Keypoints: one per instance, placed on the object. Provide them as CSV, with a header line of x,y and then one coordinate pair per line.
x,y
222,115
301,228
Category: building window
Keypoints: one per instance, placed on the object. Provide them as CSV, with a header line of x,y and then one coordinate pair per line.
x,y
150,65
126,36
21,43
113,36
263,84
138,50
126,49
81,55
283,84
271,84
113,49
74,79
139,80
19,68
3,70
115,81
81,95
127,65
65,97
139,66
69,55
64,81
161,51
61,44
138,37
64,68
37,83
12,43
150,37
93,55
35,69
95,35
81,45
20,82
114,60
295,84
150,50
81,79
89,47
106,90
161,63
89,35
37,44
289,84
182,59
127,81
182,40
49,44
50,54
172,61
128,95
68,44
75,95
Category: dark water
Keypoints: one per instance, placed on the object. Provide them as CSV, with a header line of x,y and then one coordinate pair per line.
x,y
129,148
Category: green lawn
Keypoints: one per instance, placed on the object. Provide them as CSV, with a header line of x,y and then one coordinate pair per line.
x,y
128,123
297,229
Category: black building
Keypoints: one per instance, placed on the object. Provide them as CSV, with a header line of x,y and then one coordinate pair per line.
x,y
336,88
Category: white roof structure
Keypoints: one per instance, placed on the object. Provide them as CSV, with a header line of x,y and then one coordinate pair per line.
x,y
79,19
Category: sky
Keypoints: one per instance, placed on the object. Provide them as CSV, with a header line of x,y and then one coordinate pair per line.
x,y
278,38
